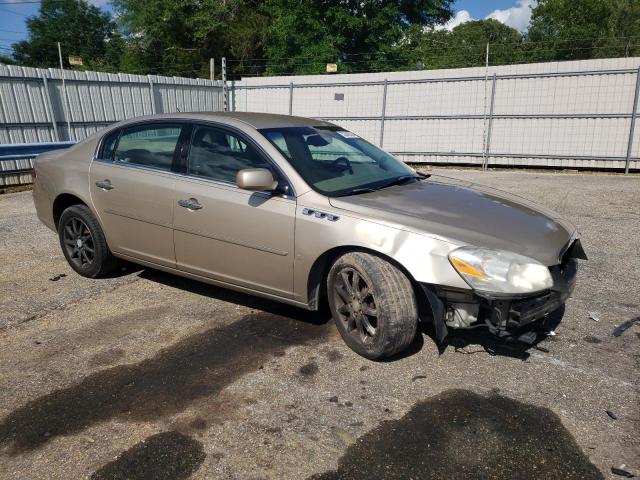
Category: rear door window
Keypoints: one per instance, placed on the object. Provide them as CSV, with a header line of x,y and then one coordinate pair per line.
x,y
109,145
150,146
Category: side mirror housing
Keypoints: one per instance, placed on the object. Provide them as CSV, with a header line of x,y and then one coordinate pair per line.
x,y
256,180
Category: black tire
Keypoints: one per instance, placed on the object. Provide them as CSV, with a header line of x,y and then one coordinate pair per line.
x,y
83,243
381,319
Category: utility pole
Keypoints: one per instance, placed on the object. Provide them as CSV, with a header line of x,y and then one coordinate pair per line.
x,y
212,68
67,107
225,92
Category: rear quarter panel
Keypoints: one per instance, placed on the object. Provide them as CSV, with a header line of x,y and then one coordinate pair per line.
x,y
62,171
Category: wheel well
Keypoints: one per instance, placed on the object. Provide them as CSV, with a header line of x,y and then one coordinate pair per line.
x,y
61,203
317,285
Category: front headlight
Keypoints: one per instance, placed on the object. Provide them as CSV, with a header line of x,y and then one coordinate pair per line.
x,y
500,271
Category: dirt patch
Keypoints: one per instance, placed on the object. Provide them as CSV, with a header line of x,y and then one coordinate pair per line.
x,y
334,355
168,455
196,367
106,357
308,370
15,189
460,434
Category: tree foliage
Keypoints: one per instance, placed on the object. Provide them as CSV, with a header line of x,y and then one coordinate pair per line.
x,y
82,29
177,37
575,30
359,35
465,45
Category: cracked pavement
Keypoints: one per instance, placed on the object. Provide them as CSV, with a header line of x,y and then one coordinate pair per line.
x,y
148,375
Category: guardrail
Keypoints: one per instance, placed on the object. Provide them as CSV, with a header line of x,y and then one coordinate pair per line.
x,y
16,160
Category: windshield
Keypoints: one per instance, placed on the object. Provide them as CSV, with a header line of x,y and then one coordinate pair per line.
x,y
336,162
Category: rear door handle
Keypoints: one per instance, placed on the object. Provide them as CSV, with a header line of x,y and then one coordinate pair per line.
x,y
104,185
190,204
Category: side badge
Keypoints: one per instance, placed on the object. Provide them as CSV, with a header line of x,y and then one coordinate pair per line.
x,y
318,214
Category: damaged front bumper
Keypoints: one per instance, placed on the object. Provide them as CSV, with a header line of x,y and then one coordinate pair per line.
x,y
508,316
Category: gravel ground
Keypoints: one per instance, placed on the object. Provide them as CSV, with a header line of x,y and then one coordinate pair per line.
x,y
147,375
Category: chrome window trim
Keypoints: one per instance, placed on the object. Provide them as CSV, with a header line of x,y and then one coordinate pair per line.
x,y
217,183
222,183
195,122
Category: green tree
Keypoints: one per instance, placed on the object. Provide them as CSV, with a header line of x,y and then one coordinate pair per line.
x,y
465,45
358,35
82,29
6,60
583,29
172,37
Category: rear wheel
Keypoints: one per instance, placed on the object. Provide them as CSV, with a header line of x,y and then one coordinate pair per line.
x,y
373,305
83,242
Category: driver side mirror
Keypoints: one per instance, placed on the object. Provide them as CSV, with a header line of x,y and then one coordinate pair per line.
x,y
256,180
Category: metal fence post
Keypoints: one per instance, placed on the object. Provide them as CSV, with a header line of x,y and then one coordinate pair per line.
x,y
152,95
487,148
233,96
225,92
290,98
632,128
384,111
67,106
50,112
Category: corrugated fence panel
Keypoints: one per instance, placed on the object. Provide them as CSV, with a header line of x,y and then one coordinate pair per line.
x,y
560,114
36,107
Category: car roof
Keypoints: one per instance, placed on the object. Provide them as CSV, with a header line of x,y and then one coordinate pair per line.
x,y
256,120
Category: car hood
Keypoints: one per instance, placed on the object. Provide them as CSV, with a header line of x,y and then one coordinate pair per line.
x,y
466,213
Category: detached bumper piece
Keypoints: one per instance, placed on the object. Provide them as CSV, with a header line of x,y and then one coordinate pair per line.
x,y
510,316
507,313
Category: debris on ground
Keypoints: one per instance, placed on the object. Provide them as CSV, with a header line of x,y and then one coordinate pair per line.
x,y
611,414
594,316
622,472
334,399
551,333
418,377
55,278
620,329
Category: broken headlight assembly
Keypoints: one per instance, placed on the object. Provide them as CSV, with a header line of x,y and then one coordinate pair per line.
x,y
500,271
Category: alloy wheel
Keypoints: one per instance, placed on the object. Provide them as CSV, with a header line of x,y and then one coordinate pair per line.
x,y
78,242
355,304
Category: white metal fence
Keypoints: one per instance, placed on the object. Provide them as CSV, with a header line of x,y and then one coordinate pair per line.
x,y
560,114
36,106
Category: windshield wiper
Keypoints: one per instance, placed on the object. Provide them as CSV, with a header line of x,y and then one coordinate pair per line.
x,y
358,191
400,180
396,181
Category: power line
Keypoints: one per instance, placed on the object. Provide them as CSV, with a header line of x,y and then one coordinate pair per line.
x,y
14,13
444,46
26,2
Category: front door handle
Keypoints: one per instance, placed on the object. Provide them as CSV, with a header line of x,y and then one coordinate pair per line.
x,y
190,204
104,185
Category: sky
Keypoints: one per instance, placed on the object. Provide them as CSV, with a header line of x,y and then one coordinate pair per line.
x,y
515,13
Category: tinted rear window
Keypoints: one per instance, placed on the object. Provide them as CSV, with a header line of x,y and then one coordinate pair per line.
x,y
148,145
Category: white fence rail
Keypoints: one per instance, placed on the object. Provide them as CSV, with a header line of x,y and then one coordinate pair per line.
x,y
561,114
35,106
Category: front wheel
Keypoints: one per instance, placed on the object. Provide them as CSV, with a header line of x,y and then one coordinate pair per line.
x,y
83,242
373,305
